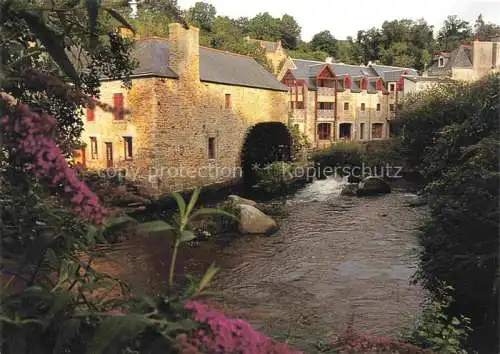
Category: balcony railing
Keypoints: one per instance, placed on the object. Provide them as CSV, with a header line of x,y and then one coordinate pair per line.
x,y
326,91
326,113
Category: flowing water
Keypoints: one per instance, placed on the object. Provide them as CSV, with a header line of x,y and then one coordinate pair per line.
x,y
335,260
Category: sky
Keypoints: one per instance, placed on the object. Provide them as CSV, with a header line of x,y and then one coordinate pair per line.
x,y
345,18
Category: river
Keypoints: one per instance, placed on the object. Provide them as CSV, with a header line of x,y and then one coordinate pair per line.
x,y
334,260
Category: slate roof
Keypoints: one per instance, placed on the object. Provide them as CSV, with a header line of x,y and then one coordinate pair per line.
x,y
152,55
233,69
215,66
308,69
392,73
458,58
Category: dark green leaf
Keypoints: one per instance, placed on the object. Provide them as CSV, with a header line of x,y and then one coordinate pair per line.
x,y
187,236
192,201
114,331
155,226
181,204
52,42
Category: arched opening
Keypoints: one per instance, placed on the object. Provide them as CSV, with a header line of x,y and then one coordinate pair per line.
x,y
345,131
264,144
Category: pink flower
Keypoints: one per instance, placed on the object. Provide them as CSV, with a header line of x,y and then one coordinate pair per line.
x,y
223,335
45,159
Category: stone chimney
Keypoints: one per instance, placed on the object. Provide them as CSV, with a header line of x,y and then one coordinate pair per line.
x,y
184,51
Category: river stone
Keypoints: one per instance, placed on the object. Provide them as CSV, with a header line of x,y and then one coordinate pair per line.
x,y
372,186
350,189
418,200
253,221
236,200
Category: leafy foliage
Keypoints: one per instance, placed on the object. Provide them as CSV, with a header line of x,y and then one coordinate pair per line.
x,y
438,331
274,177
450,134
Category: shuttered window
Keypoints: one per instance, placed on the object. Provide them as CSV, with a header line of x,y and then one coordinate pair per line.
x,y
118,106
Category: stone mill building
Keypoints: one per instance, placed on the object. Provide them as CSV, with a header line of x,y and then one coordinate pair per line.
x,y
188,112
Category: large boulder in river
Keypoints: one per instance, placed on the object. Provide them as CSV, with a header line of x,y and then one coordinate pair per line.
x,y
236,200
373,186
350,189
418,200
253,221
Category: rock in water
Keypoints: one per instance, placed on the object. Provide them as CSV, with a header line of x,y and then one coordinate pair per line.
x,y
236,200
253,221
373,186
350,189
417,201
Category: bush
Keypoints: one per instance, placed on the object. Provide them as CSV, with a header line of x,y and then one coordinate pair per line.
x,y
265,143
340,155
275,177
451,135
437,330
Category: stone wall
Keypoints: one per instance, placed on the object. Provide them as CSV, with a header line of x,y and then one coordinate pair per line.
x,y
185,125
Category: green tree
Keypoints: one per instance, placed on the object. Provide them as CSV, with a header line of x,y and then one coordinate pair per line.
x,y
454,31
451,135
369,43
485,31
289,32
304,51
324,41
264,26
202,15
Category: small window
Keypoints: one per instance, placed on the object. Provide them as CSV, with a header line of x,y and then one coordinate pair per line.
x,y
324,131
391,107
299,105
93,148
296,127
377,129
378,107
90,115
128,147
211,148
441,62
362,131
228,100
363,107
392,87
118,106
346,106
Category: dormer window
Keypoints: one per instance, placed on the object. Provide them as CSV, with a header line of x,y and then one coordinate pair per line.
x,y
347,83
364,84
441,62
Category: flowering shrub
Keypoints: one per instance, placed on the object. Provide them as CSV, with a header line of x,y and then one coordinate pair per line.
x,y
220,334
29,133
